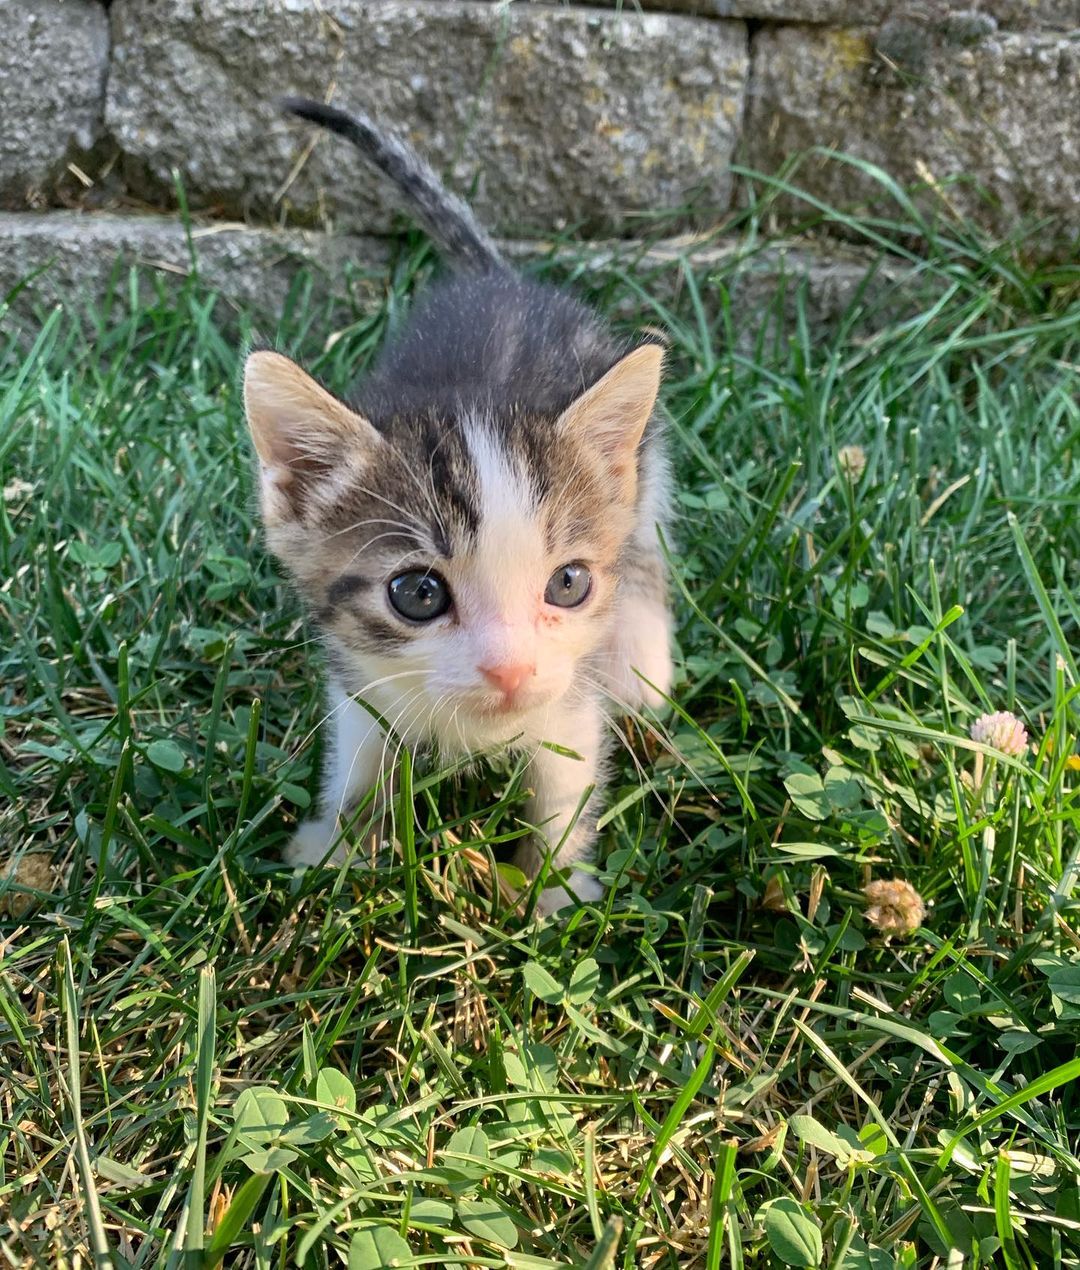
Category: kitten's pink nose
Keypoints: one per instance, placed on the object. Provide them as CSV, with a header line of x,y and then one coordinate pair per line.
x,y
509,677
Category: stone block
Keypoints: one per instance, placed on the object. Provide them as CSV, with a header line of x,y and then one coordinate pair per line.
x,y
1053,15
54,57
987,128
560,117
78,256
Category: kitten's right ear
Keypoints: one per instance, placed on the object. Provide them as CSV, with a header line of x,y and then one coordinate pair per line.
x,y
301,432
612,415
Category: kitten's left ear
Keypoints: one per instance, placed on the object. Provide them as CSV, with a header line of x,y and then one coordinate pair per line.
x,y
301,432
613,413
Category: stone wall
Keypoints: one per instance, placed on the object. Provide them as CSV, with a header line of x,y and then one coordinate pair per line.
x,y
601,121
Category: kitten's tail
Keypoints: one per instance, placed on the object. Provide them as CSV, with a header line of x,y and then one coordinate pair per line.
x,y
447,220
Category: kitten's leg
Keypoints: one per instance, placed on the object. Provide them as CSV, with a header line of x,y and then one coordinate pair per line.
x,y
559,783
640,637
352,767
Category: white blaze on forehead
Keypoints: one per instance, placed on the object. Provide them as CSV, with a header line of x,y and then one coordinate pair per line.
x,y
507,563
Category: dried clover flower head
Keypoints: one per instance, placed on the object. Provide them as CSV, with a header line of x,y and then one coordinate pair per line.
x,y
32,871
852,461
895,907
1002,731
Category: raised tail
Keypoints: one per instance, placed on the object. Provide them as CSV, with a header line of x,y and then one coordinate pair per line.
x,y
447,219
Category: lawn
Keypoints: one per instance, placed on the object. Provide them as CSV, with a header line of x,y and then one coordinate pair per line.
x,y
739,1060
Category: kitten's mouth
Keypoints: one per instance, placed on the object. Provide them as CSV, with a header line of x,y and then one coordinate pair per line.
x,y
503,707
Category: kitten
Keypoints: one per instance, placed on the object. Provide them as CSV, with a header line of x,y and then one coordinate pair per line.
x,y
476,531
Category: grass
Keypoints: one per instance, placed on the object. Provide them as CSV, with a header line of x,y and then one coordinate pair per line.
x,y
207,1060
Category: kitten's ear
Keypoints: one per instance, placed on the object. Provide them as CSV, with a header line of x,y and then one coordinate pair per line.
x,y
300,431
613,413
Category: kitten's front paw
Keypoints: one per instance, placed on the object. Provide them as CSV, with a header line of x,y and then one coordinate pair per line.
x,y
555,899
311,843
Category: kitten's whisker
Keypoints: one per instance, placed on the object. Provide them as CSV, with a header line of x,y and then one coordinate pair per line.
x,y
413,523
624,740
400,561
643,776
344,797
452,426
429,498
455,719
363,524
383,774
394,729
648,725
305,741
358,696
370,542
402,739
285,648
353,697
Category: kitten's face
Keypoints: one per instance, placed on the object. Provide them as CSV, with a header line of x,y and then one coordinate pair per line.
x,y
463,567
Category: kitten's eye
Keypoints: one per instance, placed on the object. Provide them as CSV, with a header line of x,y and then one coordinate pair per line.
x,y
568,586
419,595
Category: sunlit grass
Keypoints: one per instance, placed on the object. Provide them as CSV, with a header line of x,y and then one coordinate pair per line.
x,y
727,1065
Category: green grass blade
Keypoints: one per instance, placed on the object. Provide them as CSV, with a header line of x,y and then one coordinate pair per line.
x,y
195,1215
99,1242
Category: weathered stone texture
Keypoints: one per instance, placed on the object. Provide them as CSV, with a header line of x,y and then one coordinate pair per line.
x,y
1002,112
79,255
1053,15
253,268
562,116
54,57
